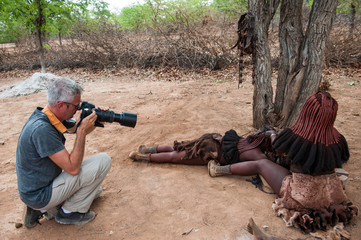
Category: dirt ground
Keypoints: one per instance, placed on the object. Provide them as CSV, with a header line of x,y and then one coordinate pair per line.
x,y
165,201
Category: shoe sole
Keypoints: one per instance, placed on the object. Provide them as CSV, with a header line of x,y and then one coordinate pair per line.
x,y
210,163
75,222
24,217
132,155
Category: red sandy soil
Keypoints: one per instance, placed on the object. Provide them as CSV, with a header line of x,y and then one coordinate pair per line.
x,y
166,201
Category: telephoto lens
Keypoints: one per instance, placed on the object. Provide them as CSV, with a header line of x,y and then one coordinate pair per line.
x,y
125,118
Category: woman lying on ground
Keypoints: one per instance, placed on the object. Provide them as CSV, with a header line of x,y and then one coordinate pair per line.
x,y
310,195
211,146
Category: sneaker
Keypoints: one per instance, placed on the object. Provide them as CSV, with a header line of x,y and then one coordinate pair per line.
x,y
136,156
133,155
31,217
144,149
141,148
75,218
211,168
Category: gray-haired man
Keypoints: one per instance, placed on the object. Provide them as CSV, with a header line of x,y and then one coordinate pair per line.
x,y
50,177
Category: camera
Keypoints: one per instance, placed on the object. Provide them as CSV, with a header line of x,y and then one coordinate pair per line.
x,y
125,118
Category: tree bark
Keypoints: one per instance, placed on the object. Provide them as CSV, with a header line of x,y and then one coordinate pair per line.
x,y
308,74
353,15
263,11
302,58
290,38
39,25
60,39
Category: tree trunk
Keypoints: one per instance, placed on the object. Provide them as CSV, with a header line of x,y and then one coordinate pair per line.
x,y
263,11
290,37
60,39
305,79
39,24
353,15
302,57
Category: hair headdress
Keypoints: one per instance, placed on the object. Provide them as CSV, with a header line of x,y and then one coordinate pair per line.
x,y
312,141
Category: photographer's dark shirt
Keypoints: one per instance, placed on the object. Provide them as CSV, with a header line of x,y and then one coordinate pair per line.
x,y
35,170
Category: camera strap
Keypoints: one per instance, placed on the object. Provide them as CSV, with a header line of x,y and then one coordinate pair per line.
x,y
76,129
54,120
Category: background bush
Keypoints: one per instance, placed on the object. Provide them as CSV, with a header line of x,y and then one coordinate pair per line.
x,y
175,33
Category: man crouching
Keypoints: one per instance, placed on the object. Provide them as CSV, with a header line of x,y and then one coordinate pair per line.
x,y
49,177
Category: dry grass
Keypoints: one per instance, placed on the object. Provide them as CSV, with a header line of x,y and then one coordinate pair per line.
x,y
202,46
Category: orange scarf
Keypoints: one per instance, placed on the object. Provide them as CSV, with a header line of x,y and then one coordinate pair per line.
x,y
54,120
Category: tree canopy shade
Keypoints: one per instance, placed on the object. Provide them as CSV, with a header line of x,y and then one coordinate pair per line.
x,y
301,57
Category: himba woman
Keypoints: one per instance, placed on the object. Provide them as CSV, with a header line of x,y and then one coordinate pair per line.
x,y
210,146
310,195
224,150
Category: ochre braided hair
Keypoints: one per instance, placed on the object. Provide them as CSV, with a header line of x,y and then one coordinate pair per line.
x,y
312,141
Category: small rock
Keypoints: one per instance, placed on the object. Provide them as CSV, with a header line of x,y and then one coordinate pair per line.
x,y
18,225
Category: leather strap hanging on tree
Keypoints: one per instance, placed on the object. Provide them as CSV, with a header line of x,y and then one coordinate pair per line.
x,y
245,40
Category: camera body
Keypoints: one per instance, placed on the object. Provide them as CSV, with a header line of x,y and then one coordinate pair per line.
x,y
125,118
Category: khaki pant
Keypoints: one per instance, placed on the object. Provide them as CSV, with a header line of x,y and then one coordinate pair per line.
x,y
76,193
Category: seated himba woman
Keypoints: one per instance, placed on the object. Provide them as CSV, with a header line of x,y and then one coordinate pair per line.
x,y
310,195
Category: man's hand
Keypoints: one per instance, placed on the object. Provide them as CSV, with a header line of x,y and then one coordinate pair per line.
x,y
87,124
103,109
77,117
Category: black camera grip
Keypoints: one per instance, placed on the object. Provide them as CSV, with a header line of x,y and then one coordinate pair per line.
x,y
98,124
